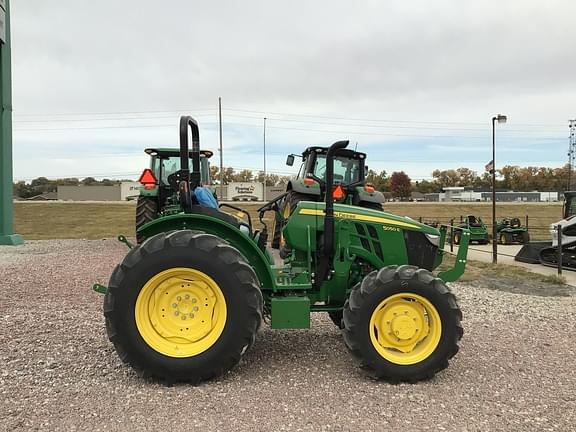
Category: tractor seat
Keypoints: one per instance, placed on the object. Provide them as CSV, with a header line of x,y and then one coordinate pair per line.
x,y
473,222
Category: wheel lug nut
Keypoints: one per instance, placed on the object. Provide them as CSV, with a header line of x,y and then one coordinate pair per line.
x,y
195,308
174,305
179,298
176,313
194,300
191,315
183,317
187,296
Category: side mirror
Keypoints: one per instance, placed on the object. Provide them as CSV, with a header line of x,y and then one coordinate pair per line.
x,y
290,160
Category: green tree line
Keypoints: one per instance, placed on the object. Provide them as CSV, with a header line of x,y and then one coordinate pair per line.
x,y
397,185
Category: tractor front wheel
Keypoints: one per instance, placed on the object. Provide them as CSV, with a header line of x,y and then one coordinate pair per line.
x,y
172,313
456,238
146,211
402,324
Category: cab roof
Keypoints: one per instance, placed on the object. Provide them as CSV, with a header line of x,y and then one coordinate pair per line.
x,y
342,152
174,152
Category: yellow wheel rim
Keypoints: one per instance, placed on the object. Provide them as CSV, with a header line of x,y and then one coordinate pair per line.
x,y
405,328
503,239
180,312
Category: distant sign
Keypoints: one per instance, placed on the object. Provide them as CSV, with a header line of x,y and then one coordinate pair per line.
x,y
245,191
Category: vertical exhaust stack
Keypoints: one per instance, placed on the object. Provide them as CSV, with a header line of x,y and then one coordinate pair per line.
x,y
328,248
188,180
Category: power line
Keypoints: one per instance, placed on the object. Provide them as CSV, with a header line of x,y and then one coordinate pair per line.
x,y
66,120
385,120
259,113
76,113
162,126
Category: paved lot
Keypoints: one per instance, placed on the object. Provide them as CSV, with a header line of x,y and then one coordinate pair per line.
x,y
515,369
506,254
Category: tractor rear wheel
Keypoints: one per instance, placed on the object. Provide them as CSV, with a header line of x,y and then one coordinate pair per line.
x,y
146,211
173,314
402,324
336,317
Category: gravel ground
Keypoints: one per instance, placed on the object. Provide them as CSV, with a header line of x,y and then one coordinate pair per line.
x,y
514,370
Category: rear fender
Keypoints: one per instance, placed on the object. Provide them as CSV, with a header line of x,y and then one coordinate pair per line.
x,y
148,192
364,196
259,261
300,187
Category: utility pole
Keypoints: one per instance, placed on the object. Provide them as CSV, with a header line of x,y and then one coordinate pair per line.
x,y
221,155
571,151
264,139
500,119
7,236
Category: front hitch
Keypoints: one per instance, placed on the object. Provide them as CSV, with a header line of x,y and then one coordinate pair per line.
x,y
457,270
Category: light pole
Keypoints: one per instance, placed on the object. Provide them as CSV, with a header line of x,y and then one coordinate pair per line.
x,y
221,154
264,139
500,119
7,236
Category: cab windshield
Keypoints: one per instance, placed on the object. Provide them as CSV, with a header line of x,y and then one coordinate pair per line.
x,y
346,170
169,165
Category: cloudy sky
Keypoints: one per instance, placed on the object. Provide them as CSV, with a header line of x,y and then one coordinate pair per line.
x,y
413,83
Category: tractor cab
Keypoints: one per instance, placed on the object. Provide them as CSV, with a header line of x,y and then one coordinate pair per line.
x,y
166,161
157,196
349,167
310,184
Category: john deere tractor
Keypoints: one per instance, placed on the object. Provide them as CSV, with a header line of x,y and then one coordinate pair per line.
x,y
310,184
156,194
475,226
510,230
187,303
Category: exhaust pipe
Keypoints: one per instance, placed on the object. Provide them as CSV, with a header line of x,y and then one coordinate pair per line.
x,y
323,271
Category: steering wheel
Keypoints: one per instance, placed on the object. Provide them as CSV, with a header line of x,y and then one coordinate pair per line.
x,y
174,181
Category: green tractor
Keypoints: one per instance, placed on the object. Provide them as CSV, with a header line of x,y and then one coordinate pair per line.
x,y
310,184
475,226
187,303
157,196
510,230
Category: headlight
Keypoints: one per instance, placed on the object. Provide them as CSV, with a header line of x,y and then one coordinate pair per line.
x,y
434,239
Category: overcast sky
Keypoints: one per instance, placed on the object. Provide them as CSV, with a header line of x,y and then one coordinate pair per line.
x,y
414,83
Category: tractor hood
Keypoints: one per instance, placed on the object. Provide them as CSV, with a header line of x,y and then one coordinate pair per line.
x,y
342,211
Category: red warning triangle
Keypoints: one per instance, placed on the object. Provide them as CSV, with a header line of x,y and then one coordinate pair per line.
x,y
338,192
147,177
